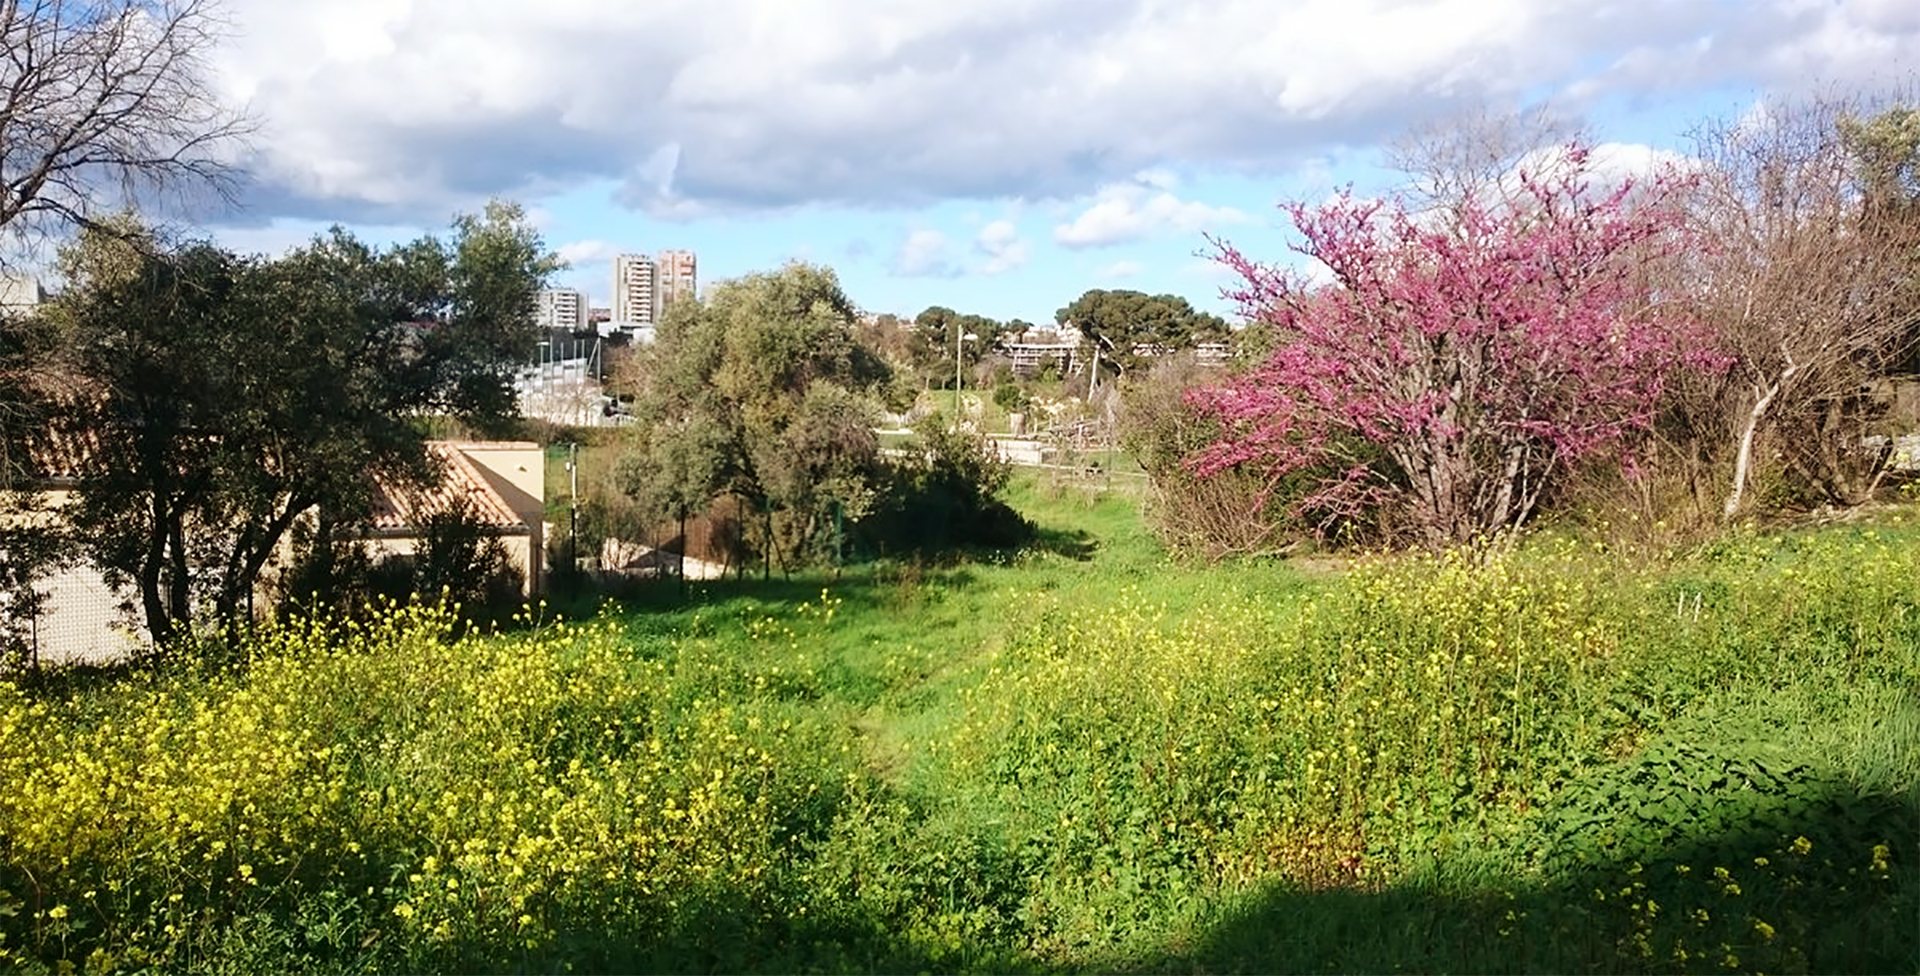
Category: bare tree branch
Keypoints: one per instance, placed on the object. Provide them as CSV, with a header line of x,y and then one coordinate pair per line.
x,y
1807,286
1472,157
105,104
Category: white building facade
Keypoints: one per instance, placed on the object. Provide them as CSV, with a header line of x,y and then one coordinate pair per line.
x,y
562,308
635,290
676,276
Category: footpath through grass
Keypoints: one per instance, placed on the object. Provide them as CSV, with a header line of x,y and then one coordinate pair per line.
x,y
1077,757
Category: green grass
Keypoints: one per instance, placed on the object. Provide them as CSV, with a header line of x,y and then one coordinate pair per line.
x,y
1078,757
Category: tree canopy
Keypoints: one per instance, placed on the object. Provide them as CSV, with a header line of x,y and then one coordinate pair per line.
x,y
106,103
762,391
1479,360
935,333
1808,284
1130,327
235,394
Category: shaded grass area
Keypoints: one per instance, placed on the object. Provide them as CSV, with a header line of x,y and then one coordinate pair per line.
x,y
1079,757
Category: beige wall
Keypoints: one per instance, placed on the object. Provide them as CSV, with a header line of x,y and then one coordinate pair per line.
x,y
518,471
83,620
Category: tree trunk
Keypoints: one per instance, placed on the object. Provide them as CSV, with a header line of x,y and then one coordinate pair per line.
x,y
179,575
1743,458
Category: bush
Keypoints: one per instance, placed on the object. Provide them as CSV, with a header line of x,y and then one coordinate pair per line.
x,y
942,496
1008,396
457,559
1235,511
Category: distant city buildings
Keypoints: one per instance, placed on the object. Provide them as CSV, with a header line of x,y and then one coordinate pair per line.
x,y
635,290
644,286
677,281
563,308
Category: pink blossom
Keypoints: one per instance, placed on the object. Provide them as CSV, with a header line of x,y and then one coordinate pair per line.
x,y
1480,359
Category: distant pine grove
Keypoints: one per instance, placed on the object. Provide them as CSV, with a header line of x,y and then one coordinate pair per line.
x,y
1568,756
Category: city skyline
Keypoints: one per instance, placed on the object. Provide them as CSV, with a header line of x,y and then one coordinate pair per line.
x,y
642,285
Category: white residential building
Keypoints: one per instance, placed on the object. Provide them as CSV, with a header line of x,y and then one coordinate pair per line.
x,y
20,292
635,291
676,276
562,308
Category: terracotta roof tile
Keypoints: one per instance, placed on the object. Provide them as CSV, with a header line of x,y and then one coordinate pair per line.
x,y
57,451
397,509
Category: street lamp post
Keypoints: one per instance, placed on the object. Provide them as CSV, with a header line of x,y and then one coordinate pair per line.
x,y
1120,381
573,506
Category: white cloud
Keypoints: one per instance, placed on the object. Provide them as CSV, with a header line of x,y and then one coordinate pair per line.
x,y
1141,208
924,254
1608,165
1002,246
1122,269
409,109
586,253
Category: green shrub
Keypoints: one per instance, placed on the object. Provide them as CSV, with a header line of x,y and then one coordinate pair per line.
x,y
1549,758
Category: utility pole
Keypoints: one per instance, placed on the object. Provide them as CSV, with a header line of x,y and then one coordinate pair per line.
x,y
573,505
956,374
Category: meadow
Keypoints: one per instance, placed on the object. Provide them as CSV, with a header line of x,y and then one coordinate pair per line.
x,y
1570,757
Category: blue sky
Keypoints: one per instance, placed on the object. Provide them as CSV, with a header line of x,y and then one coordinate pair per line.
x,y
996,156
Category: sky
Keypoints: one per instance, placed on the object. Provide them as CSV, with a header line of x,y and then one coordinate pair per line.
x,y
998,157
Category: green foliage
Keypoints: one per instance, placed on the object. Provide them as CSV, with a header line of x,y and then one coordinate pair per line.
x,y
461,561
1886,153
33,546
1122,321
331,571
939,333
236,394
1009,397
1720,792
1075,757
760,391
941,495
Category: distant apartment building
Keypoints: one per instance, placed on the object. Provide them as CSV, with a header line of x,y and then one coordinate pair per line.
x,y
635,290
676,274
562,308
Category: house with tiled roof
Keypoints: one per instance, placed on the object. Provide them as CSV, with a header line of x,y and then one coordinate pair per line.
x,y
503,487
500,483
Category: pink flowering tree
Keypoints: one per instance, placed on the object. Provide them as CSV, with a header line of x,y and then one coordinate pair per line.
x,y
1442,373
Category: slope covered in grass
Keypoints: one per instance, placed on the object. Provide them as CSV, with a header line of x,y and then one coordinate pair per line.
x,y
1075,757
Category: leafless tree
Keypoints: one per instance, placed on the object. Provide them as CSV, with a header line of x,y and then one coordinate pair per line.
x,y
106,104
1801,283
1475,155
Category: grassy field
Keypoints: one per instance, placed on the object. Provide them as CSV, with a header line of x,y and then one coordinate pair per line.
x,y
1078,757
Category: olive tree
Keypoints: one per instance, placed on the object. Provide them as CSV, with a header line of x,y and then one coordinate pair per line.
x,y
236,393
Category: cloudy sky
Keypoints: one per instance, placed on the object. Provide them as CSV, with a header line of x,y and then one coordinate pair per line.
x,y
996,156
